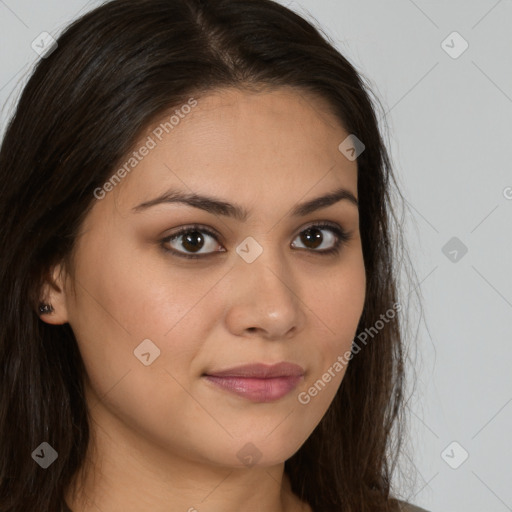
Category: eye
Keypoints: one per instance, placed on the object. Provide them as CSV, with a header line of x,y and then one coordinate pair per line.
x,y
312,236
193,239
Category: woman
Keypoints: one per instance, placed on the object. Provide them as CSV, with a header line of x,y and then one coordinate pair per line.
x,y
200,300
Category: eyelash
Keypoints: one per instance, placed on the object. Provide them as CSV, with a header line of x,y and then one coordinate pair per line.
x,y
342,237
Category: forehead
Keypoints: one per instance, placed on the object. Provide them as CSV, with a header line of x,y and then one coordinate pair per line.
x,y
242,145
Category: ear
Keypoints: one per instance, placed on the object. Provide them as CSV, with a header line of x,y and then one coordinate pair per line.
x,y
53,292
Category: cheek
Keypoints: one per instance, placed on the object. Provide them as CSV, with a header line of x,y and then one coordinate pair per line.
x,y
131,293
338,302
125,297
118,321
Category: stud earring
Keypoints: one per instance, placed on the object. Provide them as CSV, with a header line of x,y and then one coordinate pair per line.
x,y
45,308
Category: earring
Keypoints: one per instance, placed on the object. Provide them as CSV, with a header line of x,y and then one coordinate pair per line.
x,y
45,308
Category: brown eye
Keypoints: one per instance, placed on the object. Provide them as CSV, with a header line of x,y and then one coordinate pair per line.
x,y
312,238
189,241
192,241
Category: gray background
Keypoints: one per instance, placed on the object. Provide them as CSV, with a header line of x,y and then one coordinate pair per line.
x,y
450,136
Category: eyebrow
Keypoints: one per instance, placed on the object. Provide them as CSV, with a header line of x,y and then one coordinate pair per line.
x,y
217,206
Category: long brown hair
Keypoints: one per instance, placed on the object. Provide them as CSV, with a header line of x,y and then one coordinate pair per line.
x,y
115,70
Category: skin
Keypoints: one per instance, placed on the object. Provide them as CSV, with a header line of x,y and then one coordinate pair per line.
x,y
162,437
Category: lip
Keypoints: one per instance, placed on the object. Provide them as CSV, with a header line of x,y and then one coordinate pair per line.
x,y
261,371
258,382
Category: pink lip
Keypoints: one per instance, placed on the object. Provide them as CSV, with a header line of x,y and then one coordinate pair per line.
x,y
259,382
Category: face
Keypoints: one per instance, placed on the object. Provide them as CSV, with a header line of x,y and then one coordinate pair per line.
x,y
156,329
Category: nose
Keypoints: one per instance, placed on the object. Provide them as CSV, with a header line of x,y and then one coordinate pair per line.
x,y
265,299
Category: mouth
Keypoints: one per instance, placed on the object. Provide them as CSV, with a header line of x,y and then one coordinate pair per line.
x,y
258,382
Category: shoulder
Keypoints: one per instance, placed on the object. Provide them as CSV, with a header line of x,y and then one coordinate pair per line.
x,y
408,507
